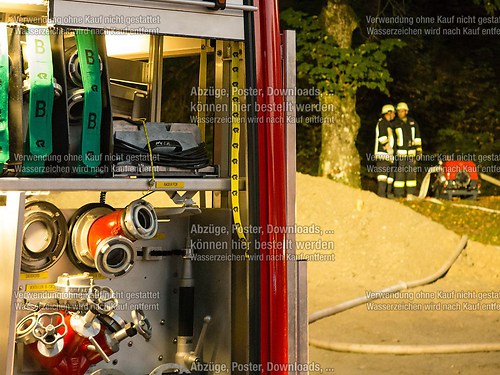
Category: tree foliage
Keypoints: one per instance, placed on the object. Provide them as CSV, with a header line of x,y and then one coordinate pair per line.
x,y
452,83
327,60
336,70
491,6
457,105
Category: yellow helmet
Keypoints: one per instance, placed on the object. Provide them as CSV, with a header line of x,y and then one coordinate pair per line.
x,y
402,105
387,108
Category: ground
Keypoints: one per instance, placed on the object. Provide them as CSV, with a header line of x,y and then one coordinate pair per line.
x,y
379,242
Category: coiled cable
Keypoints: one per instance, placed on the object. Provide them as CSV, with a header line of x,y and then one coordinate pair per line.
x,y
193,158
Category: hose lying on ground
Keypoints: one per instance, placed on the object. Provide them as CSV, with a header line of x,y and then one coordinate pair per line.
x,y
402,285
405,349
399,349
491,180
424,187
437,201
490,210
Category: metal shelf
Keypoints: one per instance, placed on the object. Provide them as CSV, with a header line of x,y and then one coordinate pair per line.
x,y
113,184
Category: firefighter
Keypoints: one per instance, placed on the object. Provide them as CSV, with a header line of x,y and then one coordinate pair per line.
x,y
384,148
409,146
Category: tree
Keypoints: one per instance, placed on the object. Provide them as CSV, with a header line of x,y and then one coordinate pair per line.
x,y
327,59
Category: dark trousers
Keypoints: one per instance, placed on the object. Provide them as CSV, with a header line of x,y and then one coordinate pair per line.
x,y
405,177
390,179
383,170
411,176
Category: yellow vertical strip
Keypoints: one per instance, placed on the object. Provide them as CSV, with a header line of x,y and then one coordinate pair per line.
x,y
235,144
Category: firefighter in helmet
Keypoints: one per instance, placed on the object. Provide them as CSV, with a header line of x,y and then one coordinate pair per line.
x,y
384,149
408,146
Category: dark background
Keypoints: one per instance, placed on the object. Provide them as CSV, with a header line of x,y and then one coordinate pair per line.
x,y
451,84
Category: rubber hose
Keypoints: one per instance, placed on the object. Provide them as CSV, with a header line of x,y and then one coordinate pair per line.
x,y
400,349
321,314
489,179
405,349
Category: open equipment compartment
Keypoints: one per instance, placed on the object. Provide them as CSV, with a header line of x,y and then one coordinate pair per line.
x,y
105,277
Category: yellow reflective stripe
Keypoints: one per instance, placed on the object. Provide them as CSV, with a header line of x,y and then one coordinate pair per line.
x,y
391,137
382,139
381,177
412,152
411,183
390,180
399,184
402,152
399,134
418,141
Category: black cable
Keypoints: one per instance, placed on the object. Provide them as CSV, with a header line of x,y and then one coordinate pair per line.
x,y
138,123
195,164
193,158
189,155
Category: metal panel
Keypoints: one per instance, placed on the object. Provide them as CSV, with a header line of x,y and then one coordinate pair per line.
x,y
127,70
158,277
303,323
213,281
155,75
10,233
156,17
295,351
212,295
113,184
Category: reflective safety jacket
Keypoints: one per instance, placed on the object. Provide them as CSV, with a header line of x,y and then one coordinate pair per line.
x,y
408,140
384,140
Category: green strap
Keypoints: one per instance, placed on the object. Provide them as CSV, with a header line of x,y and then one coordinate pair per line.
x,y
88,57
4,94
41,90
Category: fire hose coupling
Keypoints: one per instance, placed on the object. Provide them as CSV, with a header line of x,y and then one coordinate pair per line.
x,y
25,328
102,238
110,237
139,220
75,105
